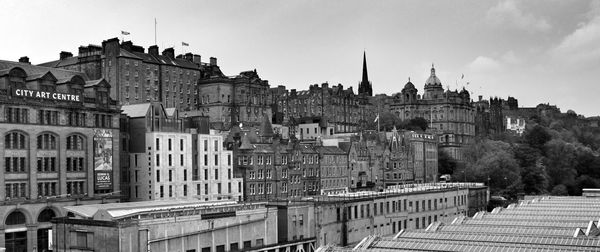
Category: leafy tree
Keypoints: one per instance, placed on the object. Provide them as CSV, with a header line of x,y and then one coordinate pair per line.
x,y
446,164
559,190
418,123
537,137
534,179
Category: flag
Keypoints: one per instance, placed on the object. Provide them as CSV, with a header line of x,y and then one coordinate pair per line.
x,y
462,77
184,44
376,118
124,33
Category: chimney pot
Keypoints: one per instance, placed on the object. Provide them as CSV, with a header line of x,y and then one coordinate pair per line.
x,y
213,61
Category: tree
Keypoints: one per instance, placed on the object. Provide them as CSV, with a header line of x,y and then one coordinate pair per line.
x,y
446,164
534,179
559,190
418,123
537,137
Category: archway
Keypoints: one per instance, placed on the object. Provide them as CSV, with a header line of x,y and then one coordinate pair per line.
x,y
15,236
44,234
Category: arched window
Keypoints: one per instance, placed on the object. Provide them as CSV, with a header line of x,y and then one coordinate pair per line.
x,y
46,142
75,142
46,215
15,140
15,218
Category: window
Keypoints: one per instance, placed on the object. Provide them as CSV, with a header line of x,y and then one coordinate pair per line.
x,y
15,140
228,160
17,115
170,175
75,142
46,164
181,144
216,174
48,117
46,142
157,143
216,145
216,159
157,175
170,144
75,187
46,188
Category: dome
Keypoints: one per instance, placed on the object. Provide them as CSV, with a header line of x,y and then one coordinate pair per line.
x,y
433,80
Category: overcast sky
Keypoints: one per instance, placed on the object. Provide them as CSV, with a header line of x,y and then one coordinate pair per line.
x,y
536,51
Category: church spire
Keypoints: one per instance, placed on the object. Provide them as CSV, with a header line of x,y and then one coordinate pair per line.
x,y
365,76
364,87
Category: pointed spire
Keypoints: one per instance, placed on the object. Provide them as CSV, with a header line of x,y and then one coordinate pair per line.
x,y
364,87
365,75
432,70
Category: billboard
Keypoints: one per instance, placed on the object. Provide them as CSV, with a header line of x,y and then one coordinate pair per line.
x,y
103,159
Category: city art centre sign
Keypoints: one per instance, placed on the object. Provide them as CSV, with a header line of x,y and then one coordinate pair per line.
x,y
46,95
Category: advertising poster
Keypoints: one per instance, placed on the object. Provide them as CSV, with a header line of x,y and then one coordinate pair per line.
x,y
103,159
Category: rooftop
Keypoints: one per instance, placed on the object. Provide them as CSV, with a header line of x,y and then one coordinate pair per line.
x,y
541,224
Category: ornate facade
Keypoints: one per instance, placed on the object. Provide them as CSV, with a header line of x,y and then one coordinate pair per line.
x,y
228,101
59,146
138,76
450,114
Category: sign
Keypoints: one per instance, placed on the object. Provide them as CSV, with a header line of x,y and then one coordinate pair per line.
x,y
46,95
103,159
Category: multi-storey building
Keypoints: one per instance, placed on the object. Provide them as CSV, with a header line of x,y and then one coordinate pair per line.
x,y
346,219
138,76
229,101
170,162
59,146
450,113
333,169
334,106
424,147
398,166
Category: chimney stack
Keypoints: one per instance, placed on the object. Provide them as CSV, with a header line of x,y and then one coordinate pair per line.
x,y
169,52
189,57
213,61
64,55
24,59
197,59
153,50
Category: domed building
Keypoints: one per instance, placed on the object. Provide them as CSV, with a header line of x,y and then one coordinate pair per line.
x,y
451,114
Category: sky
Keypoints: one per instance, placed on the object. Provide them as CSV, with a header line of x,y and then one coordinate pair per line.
x,y
538,51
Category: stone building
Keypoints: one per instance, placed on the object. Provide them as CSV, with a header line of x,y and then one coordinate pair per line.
x,y
170,160
450,114
334,106
424,148
140,76
59,146
228,101
399,162
333,166
346,219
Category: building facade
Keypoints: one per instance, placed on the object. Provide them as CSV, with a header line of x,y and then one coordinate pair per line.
x,y
170,160
345,219
228,101
450,114
424,147
59,147
140,76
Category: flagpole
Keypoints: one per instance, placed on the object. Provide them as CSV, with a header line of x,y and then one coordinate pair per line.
x,y
154,31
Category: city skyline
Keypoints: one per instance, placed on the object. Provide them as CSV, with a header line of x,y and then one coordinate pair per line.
x,y
535,51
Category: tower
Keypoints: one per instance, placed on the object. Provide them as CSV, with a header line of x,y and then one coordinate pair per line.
x,y
364,87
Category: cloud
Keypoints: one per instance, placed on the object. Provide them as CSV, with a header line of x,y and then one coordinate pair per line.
x,y
484,64
508,13
581,46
